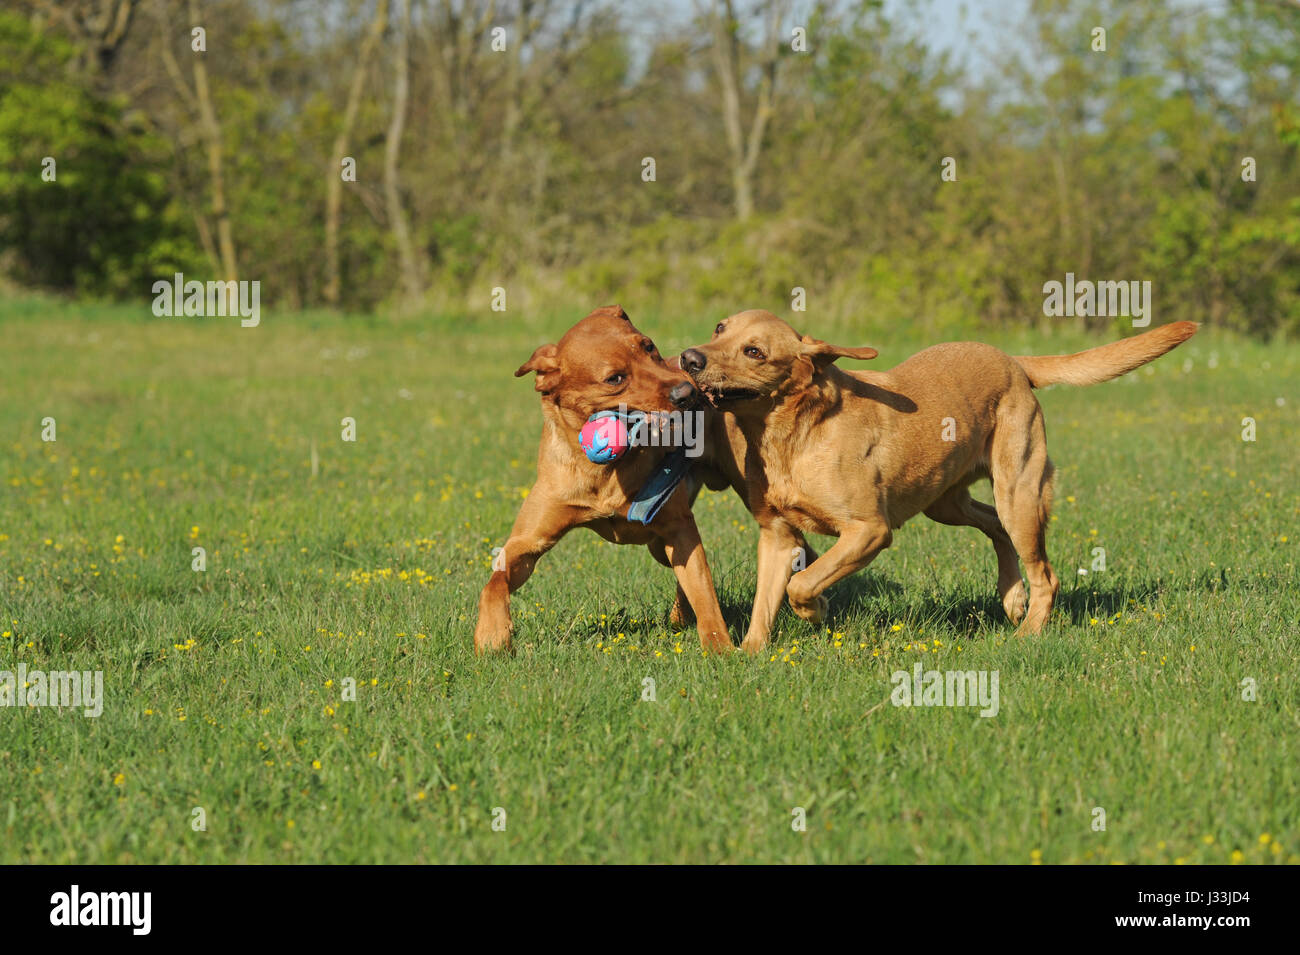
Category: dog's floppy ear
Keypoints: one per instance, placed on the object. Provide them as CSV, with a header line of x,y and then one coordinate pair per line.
x,y
823,353
545,363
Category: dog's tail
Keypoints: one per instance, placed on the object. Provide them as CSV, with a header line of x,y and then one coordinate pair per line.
x,y
1100,364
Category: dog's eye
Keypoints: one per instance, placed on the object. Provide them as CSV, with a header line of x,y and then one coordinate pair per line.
x,y
753,352
649,348
718,330
616,379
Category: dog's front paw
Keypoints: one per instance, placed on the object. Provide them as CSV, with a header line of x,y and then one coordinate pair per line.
x,y
491,639
716,641
492,634
813,610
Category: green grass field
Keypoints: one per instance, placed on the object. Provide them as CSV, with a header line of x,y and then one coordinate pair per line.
x,y
223,687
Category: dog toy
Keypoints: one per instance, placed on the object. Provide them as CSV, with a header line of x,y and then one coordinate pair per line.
x,y
608,434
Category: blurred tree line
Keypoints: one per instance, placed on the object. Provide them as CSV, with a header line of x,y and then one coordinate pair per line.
x,y
712,154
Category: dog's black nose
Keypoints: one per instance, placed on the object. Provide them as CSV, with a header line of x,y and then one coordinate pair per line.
x,y
693,360
682,395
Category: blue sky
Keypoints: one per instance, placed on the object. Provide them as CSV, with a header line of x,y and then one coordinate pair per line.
x,y
969,29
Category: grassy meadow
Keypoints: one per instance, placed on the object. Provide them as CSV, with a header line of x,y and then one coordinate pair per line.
x,y
330,560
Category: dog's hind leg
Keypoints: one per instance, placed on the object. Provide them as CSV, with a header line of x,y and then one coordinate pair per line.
x,y
680,614
956,508
1022,489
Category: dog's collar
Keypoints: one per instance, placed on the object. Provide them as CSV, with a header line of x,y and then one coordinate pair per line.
x,y
652,495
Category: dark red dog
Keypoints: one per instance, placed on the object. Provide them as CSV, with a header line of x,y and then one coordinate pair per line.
x,y
601,363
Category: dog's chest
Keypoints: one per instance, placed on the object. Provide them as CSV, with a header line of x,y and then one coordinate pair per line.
x,y
619,531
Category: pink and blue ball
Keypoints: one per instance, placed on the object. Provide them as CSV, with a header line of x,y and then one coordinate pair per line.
x,y
604,440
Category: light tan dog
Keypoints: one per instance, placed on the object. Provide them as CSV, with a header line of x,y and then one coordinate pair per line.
x,y
856,454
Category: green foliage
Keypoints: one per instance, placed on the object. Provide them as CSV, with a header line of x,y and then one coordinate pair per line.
x,y
1116,165
105,224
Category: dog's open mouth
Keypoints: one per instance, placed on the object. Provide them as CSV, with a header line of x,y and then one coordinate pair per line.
x,y
718,396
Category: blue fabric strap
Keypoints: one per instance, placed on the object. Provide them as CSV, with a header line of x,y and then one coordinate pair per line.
x,y
659,488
